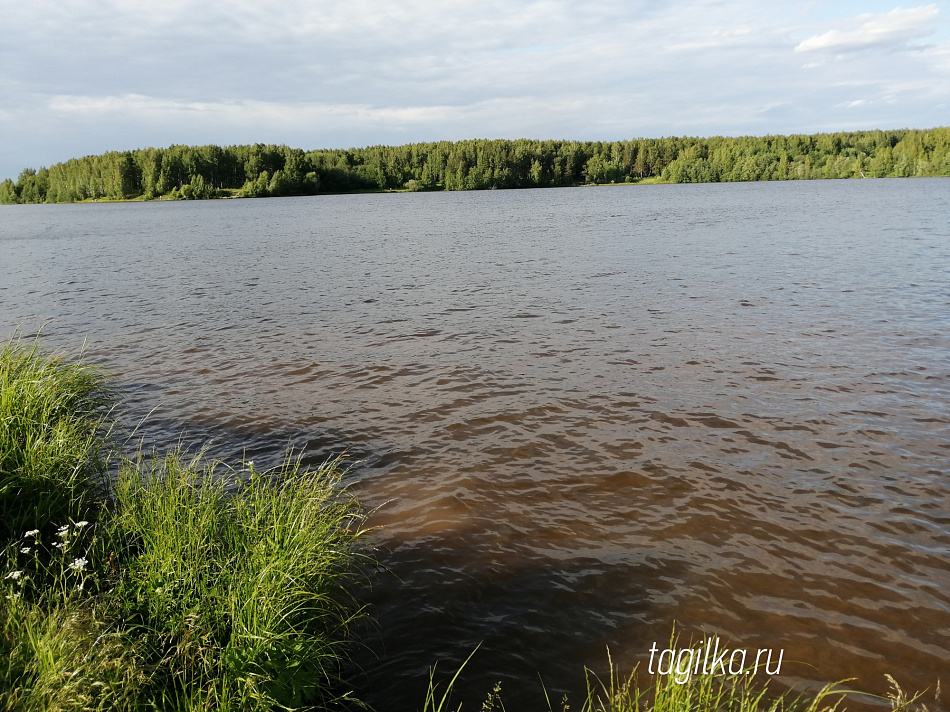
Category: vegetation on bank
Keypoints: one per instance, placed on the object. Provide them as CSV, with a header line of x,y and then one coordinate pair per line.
x,y
159,591
680,691
199,172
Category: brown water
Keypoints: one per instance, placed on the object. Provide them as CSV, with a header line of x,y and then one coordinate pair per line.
x,y
583,414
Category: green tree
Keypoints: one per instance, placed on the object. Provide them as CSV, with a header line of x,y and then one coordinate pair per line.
x,y
8,195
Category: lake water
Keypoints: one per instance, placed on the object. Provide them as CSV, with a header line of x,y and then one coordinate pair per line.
x,y
581,414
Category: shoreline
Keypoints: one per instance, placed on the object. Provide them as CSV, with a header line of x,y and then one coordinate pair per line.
x,y
200,172
636,183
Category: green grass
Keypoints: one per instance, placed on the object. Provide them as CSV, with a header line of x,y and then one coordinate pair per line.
x,y
51,439
183,586
236,601
722,693
678,693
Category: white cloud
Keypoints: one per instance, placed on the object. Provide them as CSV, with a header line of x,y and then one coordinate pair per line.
x,y
85,76
896,28
138,107
717,39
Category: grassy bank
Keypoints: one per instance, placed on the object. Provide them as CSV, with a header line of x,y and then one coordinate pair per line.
x,y
159,592
51,440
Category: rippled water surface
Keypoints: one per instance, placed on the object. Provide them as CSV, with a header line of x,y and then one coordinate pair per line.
x,y
583,414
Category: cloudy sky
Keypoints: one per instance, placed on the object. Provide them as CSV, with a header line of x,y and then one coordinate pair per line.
x,y
87,76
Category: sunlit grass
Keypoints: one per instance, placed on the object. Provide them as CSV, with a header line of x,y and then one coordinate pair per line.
x,y
51,440
658,692
185,585
236,600
723,693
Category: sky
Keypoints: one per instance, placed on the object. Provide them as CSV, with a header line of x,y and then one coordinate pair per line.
x,y
81,77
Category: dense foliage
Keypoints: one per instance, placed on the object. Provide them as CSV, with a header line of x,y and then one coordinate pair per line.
x,y
195,172
163,583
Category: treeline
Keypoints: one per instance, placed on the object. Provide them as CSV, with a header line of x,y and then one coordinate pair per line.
x,y
197,172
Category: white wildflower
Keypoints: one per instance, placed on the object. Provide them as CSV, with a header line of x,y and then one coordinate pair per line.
x,y
78,564
62,531
59,545
32,532
14,575
80,525
25,550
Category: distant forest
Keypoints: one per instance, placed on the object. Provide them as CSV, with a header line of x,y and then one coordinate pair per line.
x,y
198,172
